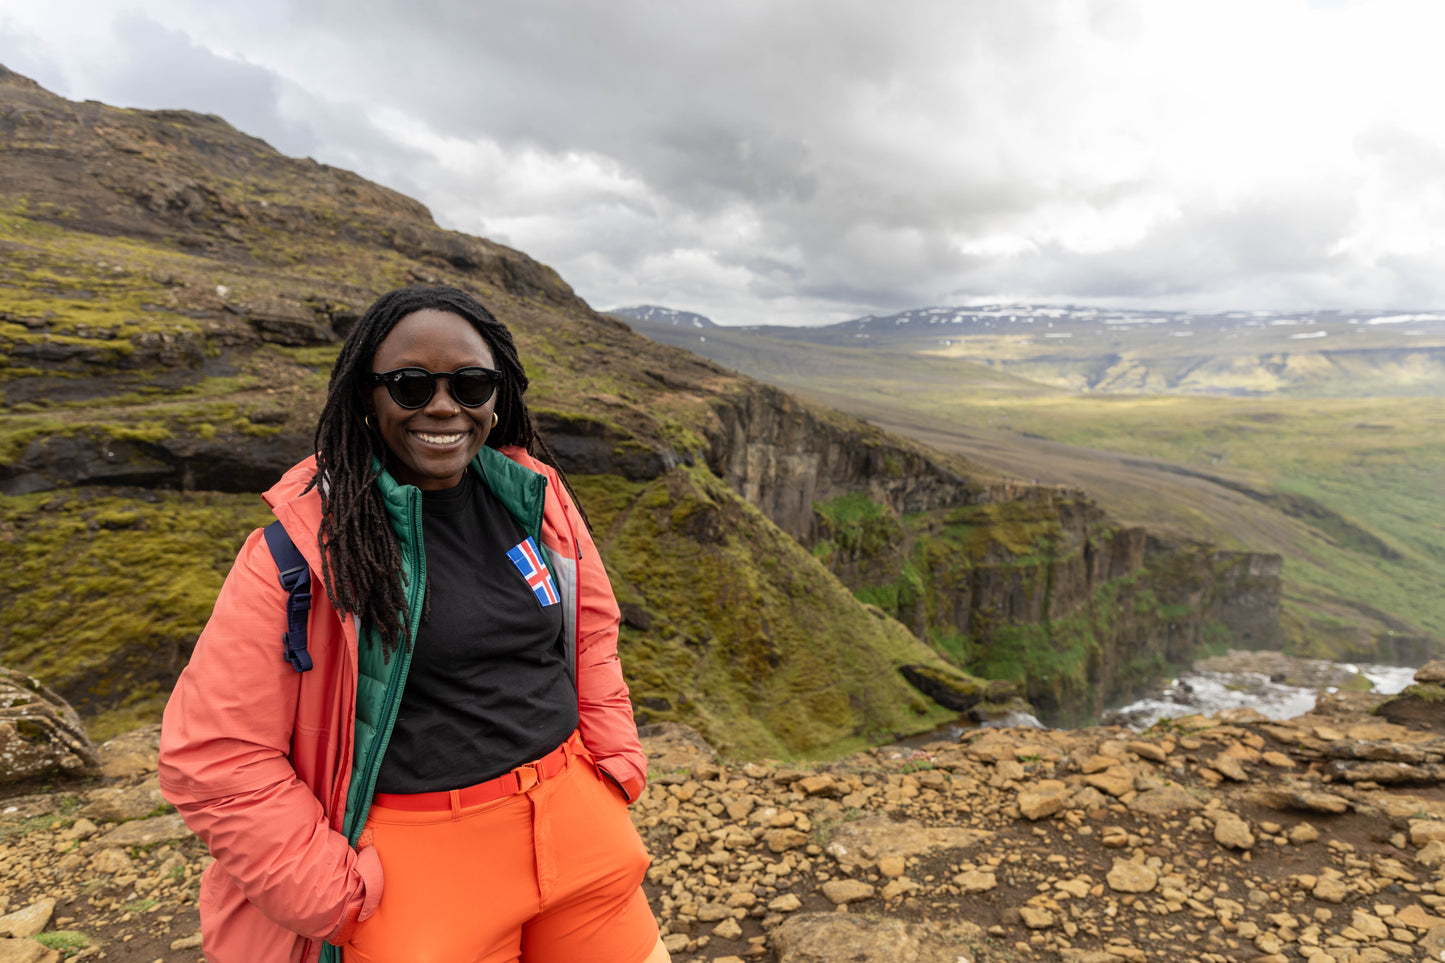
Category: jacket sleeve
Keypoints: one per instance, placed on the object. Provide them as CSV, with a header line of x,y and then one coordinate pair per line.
x,y
604,707
224,764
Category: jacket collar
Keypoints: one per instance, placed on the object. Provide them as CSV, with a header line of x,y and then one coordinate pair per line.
x,y
522,490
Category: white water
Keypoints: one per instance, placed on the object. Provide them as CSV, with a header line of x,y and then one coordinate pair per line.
x,y
1205,693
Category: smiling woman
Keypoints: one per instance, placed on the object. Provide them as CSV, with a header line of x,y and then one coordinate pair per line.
x,y
464,705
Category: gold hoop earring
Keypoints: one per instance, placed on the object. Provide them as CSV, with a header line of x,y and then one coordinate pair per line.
x,y
367,419
495,419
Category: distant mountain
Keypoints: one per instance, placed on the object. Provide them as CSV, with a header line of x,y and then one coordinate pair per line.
x,y
664,316
1115,328
1240,353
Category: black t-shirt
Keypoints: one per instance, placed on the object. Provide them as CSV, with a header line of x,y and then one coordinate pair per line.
x,y
489,686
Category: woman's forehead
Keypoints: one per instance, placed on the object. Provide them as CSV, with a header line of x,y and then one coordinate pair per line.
x,y
434,339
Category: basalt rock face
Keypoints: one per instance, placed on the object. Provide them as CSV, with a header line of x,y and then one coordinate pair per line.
x,y
248,464
1019,581
784,456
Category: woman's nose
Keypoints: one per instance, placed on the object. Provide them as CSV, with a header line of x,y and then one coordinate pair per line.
x,y
442,402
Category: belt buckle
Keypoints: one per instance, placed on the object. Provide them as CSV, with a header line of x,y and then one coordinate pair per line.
x,y
527,776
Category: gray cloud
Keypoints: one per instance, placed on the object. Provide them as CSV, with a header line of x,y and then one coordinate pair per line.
x,y
153,65
822,158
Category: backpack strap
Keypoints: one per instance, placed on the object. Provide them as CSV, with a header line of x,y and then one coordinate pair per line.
x,y
296,580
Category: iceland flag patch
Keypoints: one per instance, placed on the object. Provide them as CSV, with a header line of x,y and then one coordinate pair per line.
x,y
529,563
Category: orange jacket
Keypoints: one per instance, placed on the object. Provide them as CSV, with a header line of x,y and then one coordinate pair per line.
x,y
258,758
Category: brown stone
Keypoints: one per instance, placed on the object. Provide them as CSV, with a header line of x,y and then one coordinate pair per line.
x,y
892,866
1232,831
821,785
1287,798
1420,707
975,881
782,840
1167,799
1230,767
1129,876
26,951
1035,918
830,937
1432,671
840,891
1116,780
1042,799
25,923
1416,917
1148,750
787,903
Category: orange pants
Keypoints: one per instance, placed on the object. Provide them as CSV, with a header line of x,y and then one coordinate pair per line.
x,y
551,874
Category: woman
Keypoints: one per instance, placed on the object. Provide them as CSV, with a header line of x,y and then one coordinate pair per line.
x,y
449,780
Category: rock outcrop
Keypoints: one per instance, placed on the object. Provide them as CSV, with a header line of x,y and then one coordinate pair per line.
x,y
40,734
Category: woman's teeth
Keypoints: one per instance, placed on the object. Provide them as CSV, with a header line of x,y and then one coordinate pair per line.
x,y
439,439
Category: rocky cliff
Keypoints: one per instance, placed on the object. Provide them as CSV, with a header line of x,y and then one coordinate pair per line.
x,y
1023,582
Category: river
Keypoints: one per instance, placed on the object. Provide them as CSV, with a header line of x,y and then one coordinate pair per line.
x,y
1271,683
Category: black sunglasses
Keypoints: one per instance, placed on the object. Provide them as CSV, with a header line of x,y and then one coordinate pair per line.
x,y
413,387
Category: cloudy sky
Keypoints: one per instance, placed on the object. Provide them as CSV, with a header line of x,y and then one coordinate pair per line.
x,y
809,161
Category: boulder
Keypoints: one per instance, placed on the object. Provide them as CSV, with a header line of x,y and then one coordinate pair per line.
x,y
131,753
826,937
864,841
1420,706
40,734
1432,671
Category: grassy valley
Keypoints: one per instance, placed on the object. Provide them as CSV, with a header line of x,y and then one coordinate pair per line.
x,y
1342,480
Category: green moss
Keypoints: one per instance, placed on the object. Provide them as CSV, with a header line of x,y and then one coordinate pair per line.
x,y
126,584
857,527
850,511
321,356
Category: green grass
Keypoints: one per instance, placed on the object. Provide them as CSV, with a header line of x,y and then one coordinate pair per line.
x,y
66,942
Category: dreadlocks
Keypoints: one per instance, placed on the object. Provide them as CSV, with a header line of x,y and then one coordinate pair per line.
x,y
360,556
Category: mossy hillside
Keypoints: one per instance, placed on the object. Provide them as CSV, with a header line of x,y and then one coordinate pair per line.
x,y
106,593
747,637
80,306
733,627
